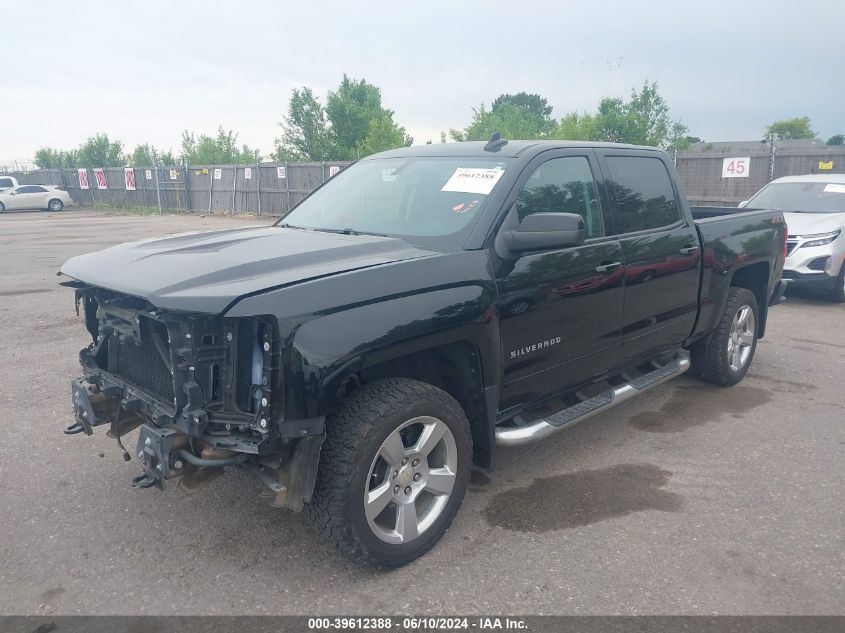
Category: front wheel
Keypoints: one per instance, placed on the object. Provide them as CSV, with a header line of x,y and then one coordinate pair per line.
x,y
55,205
393,471
725,355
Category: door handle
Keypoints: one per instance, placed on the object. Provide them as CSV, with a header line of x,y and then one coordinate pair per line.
x,y
606,268
689,250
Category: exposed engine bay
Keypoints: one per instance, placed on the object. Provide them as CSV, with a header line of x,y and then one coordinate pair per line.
x,y
204,391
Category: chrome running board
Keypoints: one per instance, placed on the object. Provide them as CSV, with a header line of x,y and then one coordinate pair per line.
x,y
538,429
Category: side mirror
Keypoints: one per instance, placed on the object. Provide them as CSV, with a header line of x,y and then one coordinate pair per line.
x,y
742,204
545,231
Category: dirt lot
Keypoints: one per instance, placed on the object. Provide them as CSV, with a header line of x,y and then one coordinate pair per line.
x,y
692,499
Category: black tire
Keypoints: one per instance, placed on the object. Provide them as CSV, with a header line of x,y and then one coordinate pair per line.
x,y
55,205
354,437
837,294
2,207
710,358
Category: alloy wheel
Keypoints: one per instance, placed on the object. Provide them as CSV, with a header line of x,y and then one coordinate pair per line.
x,y
741,338
411,480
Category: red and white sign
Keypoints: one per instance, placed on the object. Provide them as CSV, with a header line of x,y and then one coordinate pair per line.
x,y
736,167
333,170
129,178
247,173
83,178
281,172
100,177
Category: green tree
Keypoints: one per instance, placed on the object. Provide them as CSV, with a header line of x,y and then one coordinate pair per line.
x,y
642,120
533,103
512,120
353,123
147,156
355,111
305,132
216,150
100,151
50,158
577,127
383,134
797,127
836,139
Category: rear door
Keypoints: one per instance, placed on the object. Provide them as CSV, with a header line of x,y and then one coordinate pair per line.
x,y
560,310
661,251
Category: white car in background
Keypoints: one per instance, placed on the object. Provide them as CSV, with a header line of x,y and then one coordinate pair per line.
x,y
814,210
8,181
34,197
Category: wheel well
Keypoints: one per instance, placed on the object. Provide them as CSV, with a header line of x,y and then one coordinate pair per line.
x,y
756,278
456,369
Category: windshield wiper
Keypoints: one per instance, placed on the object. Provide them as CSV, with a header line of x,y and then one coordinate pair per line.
x,y
346,231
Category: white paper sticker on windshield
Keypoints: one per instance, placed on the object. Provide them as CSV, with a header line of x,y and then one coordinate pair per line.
x,y
833,188
473,180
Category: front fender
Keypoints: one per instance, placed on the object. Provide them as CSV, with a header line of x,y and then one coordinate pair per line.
x,y
328,349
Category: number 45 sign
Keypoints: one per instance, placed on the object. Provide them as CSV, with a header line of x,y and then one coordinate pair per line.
x,y
736,167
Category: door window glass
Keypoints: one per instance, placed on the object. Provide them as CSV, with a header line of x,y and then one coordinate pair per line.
x,y
644,194
563,185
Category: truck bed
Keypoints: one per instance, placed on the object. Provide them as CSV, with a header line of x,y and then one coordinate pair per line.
x,y
731,237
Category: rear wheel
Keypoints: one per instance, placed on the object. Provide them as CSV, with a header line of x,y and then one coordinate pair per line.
x,y
55,205
393,471
725,355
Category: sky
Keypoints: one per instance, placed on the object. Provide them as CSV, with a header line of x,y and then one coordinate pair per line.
x,y
146,71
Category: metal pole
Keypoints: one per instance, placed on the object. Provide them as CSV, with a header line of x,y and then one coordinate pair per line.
x,y
210,186
158,188
257,184
287,187
234,186
772,152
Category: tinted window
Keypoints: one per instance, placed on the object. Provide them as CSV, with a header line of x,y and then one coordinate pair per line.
x,y
31,189
563,185
6,182
643,192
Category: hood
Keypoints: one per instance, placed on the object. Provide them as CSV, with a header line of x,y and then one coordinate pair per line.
x,y
813,223
206,272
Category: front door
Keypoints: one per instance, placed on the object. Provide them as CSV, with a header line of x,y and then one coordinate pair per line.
x,y
560,310
661,248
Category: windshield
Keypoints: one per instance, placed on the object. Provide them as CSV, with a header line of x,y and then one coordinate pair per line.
x,y
414,197
801,197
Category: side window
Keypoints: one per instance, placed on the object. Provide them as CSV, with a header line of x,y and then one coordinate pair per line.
x,y
563,185
6,182
31,189
643,191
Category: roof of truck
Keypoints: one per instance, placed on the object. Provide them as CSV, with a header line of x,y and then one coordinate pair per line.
x,y
509,150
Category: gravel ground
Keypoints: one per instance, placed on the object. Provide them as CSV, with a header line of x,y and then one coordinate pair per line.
x,y
689,500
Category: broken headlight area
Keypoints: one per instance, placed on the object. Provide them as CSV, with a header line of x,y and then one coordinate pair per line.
x,y
205,390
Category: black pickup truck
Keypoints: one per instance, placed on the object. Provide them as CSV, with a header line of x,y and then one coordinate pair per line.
x,y
415,311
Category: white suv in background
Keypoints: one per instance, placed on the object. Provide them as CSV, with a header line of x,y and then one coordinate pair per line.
x,y
814,209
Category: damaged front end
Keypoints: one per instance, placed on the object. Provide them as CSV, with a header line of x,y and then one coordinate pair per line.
x,y
206,392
